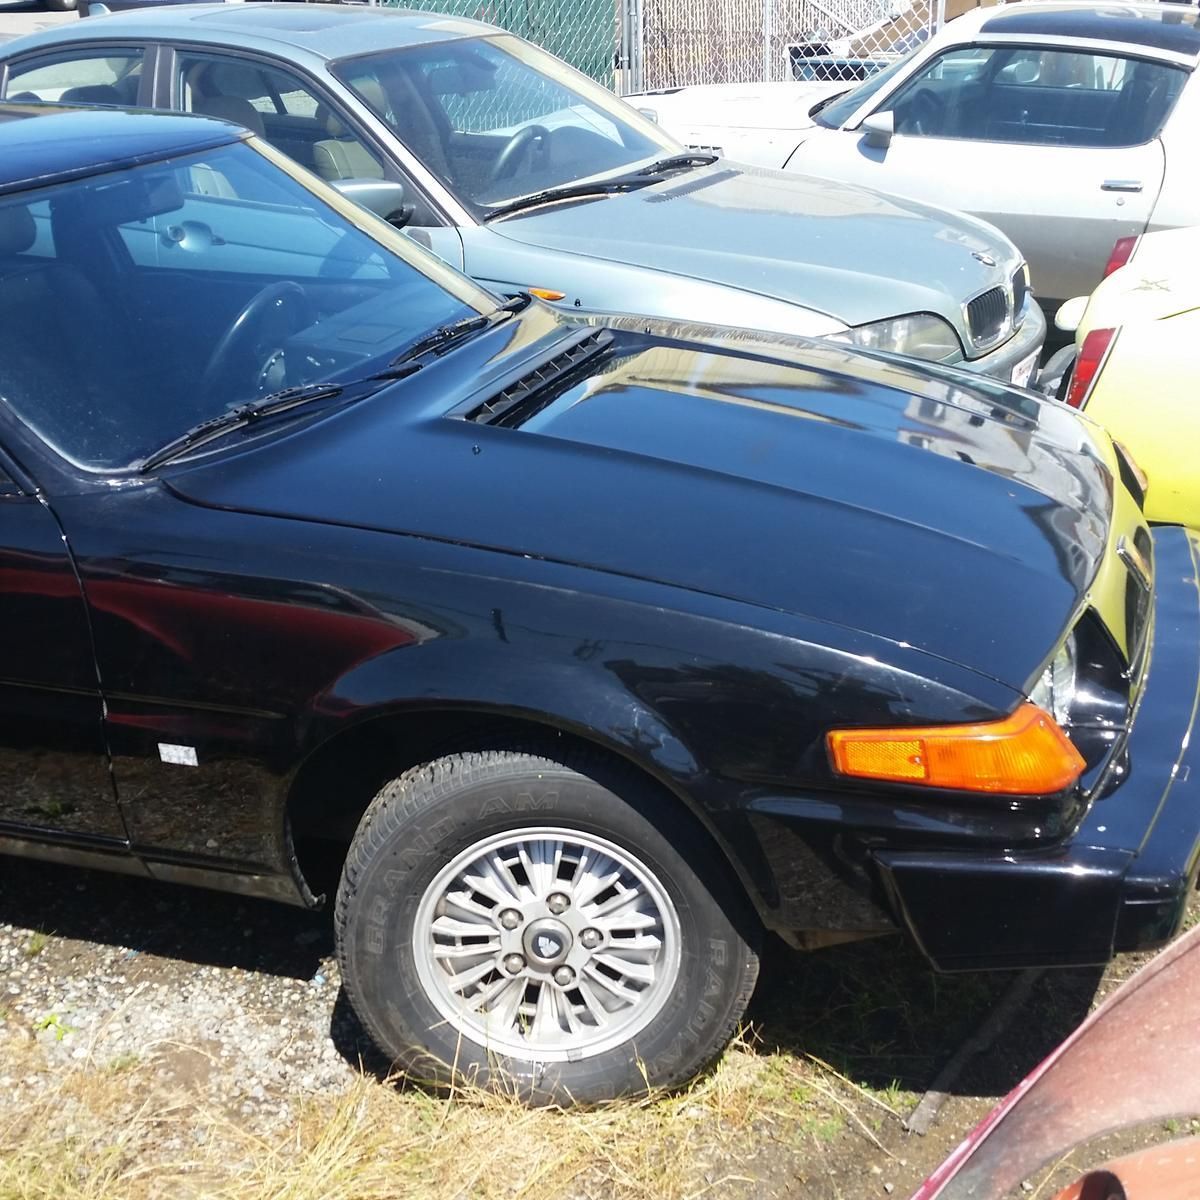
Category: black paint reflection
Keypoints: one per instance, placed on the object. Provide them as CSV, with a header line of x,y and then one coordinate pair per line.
x,y
53,767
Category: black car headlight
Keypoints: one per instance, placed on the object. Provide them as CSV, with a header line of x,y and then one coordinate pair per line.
x,y
920,335
1055,691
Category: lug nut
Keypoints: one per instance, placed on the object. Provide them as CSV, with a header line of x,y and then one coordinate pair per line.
x,y
510,918
563,976
590,938
557,903
514,964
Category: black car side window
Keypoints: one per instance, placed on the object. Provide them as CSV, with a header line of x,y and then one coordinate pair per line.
x,y
107,76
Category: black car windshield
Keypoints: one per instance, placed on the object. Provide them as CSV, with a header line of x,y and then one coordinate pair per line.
x,y
138,303
496,118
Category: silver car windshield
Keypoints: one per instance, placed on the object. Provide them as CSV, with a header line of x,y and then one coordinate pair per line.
x,y
496,119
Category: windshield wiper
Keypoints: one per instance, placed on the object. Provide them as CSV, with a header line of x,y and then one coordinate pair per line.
x,y
570,191
439,340
241,415
238,417
602,187
677,162
822,105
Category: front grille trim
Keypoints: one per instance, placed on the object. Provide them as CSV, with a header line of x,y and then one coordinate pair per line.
x,y
1019,291
989,315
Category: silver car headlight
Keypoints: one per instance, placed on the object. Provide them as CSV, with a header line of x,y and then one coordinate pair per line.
x,y
1055,691
921,335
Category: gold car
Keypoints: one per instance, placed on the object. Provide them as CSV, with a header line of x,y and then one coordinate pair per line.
x,y
1133,367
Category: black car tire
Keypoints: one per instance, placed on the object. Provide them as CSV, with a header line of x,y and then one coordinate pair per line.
x,y
60,5
410,836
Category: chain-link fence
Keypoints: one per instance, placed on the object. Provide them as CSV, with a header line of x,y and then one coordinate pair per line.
x,y
635,45
585,33
736,41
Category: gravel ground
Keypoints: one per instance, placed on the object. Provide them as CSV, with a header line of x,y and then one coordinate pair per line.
x,y
235,1000
214,1004
220,1004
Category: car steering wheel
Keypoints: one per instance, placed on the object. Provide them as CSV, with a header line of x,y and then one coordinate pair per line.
x,y
257,333
520,143
928,110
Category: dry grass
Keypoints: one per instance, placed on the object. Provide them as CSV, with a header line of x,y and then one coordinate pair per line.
x,y
849,1037
121,1133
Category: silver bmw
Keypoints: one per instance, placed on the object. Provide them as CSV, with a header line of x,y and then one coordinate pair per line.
x,y
529,176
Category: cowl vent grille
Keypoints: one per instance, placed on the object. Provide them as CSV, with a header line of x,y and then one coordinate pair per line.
x,y
528,395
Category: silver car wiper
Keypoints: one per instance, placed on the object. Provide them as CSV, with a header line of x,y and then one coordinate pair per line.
x,y
677,162
602,187
570,191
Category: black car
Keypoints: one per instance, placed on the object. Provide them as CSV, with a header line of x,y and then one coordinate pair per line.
x,y
591,655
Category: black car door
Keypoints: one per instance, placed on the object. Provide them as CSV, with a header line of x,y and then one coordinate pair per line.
x,y
54,771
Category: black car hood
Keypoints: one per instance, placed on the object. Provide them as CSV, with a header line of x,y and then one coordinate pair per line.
x,y
959,517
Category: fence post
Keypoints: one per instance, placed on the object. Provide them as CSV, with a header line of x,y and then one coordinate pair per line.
x,y
637,48
628,56
768,35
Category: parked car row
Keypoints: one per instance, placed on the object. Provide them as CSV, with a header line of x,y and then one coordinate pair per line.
x,y
526,174
667,584
1067,125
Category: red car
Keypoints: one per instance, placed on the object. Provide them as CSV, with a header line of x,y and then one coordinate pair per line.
x,y
1136,1059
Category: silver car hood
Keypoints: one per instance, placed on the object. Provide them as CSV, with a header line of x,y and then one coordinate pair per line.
x,y
849,252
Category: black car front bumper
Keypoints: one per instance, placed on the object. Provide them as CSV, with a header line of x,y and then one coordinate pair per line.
x,y
1122,880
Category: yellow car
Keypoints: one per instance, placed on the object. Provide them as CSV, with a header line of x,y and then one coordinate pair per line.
x,y
1134,368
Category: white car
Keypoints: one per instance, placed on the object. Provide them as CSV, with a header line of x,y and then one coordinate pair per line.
x,y
1066,125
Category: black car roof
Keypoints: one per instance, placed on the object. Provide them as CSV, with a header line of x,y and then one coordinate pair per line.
x,y
1173,27
42,143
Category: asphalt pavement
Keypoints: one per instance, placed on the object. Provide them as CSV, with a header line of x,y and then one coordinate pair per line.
x,y
16,20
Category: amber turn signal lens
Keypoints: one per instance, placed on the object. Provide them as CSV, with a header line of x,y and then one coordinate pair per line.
x,y
546,293
1025,754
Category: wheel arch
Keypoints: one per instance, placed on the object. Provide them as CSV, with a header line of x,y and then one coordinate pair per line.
x,y
342,773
